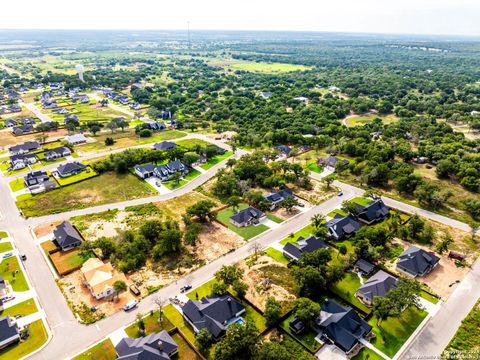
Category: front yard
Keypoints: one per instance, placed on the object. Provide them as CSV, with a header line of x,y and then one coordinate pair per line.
x,y
87,174
10,270
5,246
102,351
215,160
38,336
103,189
392,333
24,308
152,325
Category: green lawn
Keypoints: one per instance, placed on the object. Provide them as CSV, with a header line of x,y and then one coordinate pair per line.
x,y
274,218
202,291
277,255
192,143
103,189
254,316
17,184
246,232
346,289
361,201
429,297
192,174
87,174
313,166
305,232
38,336
367,354
306,337
152,325
3,234
178,321
215,160
337,211
24,308
172,185
5,246
393,332
102,351
11,271
185,351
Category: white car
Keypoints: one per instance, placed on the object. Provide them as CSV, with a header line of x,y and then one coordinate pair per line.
x,y
130,305
7,255
8,298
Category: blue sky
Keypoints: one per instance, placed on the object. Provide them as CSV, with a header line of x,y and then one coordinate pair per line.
x,y
459,17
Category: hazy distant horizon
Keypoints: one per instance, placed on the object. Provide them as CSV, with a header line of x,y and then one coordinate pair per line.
x,y
408,17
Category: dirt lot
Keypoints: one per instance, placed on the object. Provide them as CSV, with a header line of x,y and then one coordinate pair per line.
x,y
317,195
281,282
176,207
8,139
45,229
214,241
76,292
442,276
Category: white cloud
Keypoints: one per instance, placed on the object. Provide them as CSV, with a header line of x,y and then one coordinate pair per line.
x,y
383,16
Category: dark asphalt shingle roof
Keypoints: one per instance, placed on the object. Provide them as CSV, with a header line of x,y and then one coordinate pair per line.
x,y
417,260
247,214
364,266
281,195
66,235
71,167
375,210
343,225
8,328
165,145
378,285
303,246
155,346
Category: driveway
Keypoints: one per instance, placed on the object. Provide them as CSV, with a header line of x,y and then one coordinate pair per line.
x,y
330,352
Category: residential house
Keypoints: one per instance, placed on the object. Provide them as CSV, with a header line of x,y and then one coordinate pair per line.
x,y
165,145
70,169
342,325
28,121
3,287
14,109
75,139
378,285
330,162
247,216
341,227
416,262
266,94
57,153
71,118
9,332
24,148
333,89
22,161
99,278
66,236
363,267
22,129
144,171
60,110
35,178
296,326
275,198
284,150
214,313
49,104
135,106
373,212
10,123
294,251
301,99
165,172
157,125
156,346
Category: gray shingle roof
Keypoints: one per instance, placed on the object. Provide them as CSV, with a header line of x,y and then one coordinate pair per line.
x,y
373,211
66,235
156,346
417,261
378,285
343,225
247,214
302,246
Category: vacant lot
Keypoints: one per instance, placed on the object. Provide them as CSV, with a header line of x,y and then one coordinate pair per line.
x,y
124,139
7,139
214,241
86,193
265,278
176,207
87,112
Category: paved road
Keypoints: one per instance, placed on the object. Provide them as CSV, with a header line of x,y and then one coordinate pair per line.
x,y
436,335
38,113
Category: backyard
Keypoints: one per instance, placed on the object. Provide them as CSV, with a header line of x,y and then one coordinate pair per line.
x,y
346,289
67,261
121,187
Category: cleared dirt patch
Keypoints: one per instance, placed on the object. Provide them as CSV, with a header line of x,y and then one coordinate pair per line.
x,y
176,207
45,229
7,139
265,278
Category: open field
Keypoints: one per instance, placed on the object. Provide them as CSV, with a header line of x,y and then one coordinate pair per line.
x,y
366,119
268,68
124,139
86,193
7,139
38,336
87,113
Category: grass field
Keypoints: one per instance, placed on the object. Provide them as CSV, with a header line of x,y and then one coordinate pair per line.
x,y
313,166
24,308
192,143
87,174
215,160
67,261
393,332
346,289
10,270
467,336
192,175
87,113
429,297
307,337
202,291
84,194
268,68
17,184
127,138
102,351
179,322
152,325
367,354
172,185
5,246
38,336
246,232
367,119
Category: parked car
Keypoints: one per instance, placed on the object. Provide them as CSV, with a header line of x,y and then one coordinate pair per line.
x,y
130,305
23,257
7,255
340,193
134,290
8,298
185,288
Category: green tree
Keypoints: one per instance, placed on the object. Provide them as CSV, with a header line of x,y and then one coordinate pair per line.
x,y
234,201
444,243
203,340
273,311
240,288
288,204
239,343
203,210
109,141
306,310
229,274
